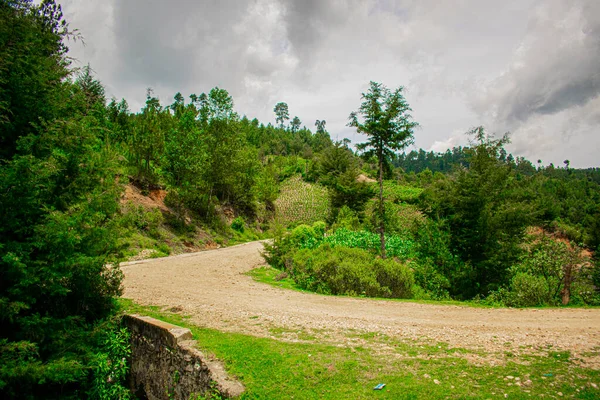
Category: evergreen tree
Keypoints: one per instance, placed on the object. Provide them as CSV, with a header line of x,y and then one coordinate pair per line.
x,y
388,124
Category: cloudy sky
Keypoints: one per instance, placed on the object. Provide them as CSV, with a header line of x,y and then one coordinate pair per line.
x,y
531,67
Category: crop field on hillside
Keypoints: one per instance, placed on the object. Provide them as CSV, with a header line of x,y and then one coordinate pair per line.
x,y
301,202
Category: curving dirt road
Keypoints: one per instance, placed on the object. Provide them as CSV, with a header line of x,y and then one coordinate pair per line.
x,y
213,289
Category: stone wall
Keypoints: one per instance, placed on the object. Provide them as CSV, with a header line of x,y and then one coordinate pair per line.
x,y
166,365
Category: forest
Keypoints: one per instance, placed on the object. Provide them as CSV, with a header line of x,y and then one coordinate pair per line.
x,y
472,224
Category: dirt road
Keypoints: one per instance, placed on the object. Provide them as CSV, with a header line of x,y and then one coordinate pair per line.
x,y
212,288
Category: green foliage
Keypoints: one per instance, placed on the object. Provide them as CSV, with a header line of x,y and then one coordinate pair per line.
x,y
400,219
398,193
279,253
486,212
347,219
546,270
282,113
396,246
388,124
338,170
110,367
141,218
342,270
238,224
432,283
33,68
59,206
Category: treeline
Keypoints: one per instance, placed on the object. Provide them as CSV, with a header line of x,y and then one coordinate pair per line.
x,y
417,161
566,198
207,155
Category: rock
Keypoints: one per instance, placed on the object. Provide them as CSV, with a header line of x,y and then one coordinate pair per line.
x,y
594,385
560,394
426,376
510,377
436,381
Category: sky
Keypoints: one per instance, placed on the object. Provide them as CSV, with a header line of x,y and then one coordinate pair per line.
x,y
528,67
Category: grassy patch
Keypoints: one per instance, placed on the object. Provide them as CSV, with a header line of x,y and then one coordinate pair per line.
x,y
270,276
273,369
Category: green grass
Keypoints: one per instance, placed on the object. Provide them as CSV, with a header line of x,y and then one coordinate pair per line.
x,y
270,276
274,369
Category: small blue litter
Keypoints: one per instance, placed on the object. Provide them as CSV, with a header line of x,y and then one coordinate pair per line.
x,y
379,387
548,375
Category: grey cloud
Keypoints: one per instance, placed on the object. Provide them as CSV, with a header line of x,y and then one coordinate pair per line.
x,y
556,68
174,42
307,21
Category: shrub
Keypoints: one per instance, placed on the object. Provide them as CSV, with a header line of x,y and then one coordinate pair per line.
x,y
238,224
347,271
347,219
528,291
109,368
141,218
434,284
285,244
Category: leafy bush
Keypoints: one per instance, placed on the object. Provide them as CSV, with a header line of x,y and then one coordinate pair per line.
x,y
347,219
435,285
550,273
279,253
396,246
396,193
141,218
346,271
528,290
238,224
109,370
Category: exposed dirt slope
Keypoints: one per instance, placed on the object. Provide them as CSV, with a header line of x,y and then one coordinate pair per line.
x,y
212,288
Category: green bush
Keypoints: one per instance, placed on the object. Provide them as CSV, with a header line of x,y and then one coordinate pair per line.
x,y
528,291
110,367
346,271
434,284
347,219
279,253
395,246
141,218
238,224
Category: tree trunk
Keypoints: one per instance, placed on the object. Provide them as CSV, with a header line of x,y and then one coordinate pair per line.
x,y
381,209
566,291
